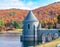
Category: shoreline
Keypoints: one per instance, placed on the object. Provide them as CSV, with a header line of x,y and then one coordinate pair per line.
x,y
15,31
50,44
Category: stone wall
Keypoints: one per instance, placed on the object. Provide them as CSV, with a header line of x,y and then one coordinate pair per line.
x,y
47,35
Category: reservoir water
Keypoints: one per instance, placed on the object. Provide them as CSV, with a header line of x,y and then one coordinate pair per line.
x,y
10,40
13,40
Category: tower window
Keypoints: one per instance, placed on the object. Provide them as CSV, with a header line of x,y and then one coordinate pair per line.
x,y
28,26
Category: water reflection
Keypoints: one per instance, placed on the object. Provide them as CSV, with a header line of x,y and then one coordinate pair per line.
x,y
10,40
29,44
13,40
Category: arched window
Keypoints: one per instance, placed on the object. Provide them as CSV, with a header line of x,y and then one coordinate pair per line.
x,y
43,38
55,35
49,38
28,26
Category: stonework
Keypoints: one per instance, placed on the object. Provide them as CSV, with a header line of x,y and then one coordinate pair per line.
x,y
32,30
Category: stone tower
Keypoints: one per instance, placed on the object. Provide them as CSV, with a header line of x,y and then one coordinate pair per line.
x,y
30,25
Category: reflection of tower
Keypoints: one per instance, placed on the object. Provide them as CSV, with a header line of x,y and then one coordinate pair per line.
x,y
30,25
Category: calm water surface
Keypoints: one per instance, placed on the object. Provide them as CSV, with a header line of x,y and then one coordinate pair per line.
x,y
13,40
10,40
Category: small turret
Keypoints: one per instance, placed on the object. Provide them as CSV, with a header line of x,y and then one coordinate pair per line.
x,y
30,25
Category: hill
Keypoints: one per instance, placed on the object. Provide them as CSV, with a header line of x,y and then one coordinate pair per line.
x,y
12,14
46,14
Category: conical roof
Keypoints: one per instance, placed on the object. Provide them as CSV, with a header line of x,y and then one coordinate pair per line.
x,y
30,17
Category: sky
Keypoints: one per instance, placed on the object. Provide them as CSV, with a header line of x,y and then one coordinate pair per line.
x,y
24,4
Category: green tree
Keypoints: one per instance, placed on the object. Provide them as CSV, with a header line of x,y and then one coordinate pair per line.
x,y
11,23
58,19
1,22
12,13
17,25
50,27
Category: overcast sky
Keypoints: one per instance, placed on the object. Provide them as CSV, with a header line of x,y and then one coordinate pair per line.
x,y
24,4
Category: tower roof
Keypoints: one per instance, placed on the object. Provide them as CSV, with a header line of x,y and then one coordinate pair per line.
x,y
30,17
